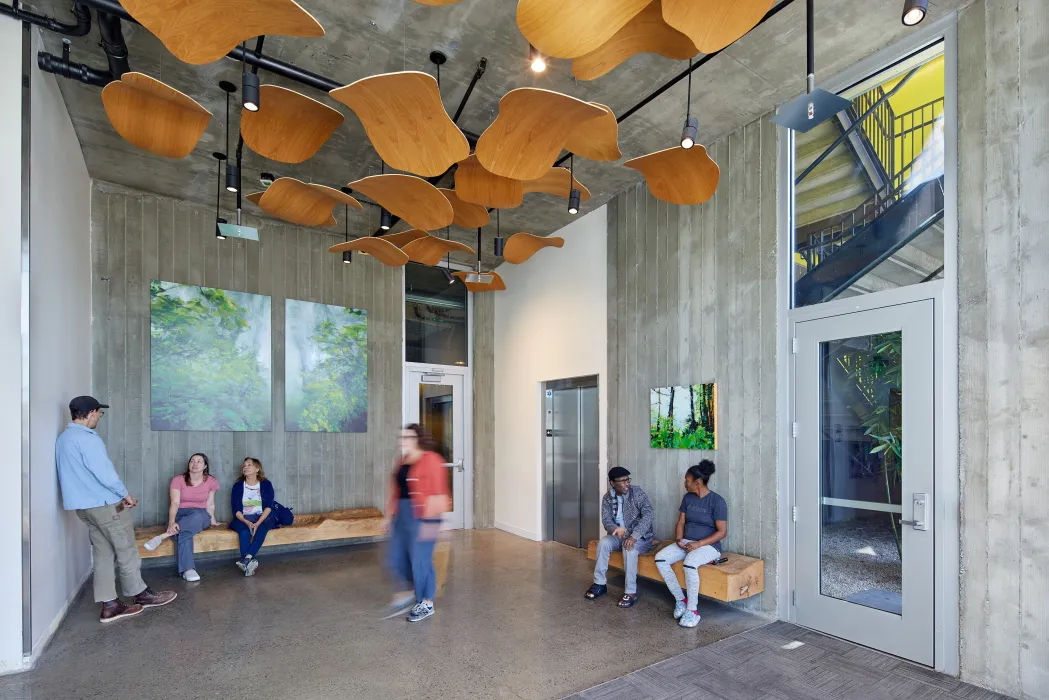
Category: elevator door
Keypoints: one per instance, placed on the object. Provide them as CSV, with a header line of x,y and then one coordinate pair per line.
x,y
572,461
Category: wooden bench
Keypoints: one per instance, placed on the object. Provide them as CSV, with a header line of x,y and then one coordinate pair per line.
x,y
740,577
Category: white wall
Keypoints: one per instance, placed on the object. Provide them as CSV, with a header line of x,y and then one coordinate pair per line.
x,y
10,346
60,344
550,323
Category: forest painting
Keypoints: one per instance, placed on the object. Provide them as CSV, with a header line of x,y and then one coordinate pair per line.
x,y
684,417
209,359
326,368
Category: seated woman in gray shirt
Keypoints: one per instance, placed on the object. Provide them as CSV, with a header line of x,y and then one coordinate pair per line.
x,y
701,525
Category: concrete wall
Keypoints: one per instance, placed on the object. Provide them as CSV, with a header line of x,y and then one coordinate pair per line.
x,y
692,299
1004,344
484,409
138,237
59,344
10,346
550,323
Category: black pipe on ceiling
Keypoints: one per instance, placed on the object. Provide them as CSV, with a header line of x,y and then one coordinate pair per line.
x,y
61,65
113,44
81,28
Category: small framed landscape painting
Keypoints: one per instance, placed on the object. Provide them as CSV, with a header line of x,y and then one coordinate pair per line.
x,y
684,417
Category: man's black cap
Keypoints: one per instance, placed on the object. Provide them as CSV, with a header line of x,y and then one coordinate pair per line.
x,y
617,473
85,404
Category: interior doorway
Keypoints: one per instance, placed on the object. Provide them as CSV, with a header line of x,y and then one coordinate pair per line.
x,y
571,454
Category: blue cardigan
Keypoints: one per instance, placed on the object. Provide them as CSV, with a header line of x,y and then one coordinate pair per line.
x,y
236,498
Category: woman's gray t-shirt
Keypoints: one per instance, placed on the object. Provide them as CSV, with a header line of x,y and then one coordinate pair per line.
x,y
702,514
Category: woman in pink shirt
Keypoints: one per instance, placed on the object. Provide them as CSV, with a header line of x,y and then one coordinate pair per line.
x,y
192,510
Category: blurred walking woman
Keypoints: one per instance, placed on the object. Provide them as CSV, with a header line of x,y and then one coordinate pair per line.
x,y
192,510
252,503
418,496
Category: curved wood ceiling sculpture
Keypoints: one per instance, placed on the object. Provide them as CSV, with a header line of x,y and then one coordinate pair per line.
x,y
647,32
475,185
304,204
714,24
154,116
429,250
496,285
290,127
597,139
558,182
403,238
572,28
383,251
678,175
466,214
521,246
530,131
203,31
405,120
411,198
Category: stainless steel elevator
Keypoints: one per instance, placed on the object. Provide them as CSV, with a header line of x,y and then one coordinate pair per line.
x,y
571,455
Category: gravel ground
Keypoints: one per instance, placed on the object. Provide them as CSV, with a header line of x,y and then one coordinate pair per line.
x,y
859,555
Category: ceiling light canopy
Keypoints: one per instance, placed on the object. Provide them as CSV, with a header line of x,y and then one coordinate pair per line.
x,y
914,11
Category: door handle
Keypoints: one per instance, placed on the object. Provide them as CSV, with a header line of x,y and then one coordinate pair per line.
x,y
920,509
456,465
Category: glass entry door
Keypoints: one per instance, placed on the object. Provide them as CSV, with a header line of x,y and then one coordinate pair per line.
x,y
435,400
864,421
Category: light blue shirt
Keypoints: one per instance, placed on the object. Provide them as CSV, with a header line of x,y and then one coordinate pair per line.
x,y
619,511
87,476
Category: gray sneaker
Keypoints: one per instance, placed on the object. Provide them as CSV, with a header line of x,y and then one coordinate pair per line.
x,y
680,609
420,612
249,568
689,619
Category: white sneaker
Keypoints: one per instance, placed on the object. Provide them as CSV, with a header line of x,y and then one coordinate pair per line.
x,y
680,609
689,619
153,543
191,575
249,569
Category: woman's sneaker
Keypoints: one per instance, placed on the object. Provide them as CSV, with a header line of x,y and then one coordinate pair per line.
x,y
152,544
249,568
191,575
689,619
420,612
680,609
242,564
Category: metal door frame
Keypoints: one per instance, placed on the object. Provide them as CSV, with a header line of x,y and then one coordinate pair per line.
x,y
591,381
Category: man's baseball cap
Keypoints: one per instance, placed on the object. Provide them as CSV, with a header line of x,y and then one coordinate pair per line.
x,y
85,404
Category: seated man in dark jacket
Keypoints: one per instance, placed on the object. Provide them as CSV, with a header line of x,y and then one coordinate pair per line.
x,y
626,514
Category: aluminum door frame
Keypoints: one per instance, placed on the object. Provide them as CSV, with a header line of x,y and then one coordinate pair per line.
x,y
911,635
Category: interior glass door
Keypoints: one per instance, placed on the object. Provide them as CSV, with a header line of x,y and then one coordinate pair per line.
x,y
864,465
435,401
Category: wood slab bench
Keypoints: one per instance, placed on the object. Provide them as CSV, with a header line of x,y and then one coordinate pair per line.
x,y
311,527
740,577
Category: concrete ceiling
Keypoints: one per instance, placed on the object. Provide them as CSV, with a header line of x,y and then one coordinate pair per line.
x,y
366,37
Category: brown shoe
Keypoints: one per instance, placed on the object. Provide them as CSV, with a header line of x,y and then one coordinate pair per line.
x,y
118,609
154,599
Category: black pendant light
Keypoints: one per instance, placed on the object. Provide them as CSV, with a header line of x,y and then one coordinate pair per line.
x,y
499,242
249,80
232,171
691,130
385,220
817,105
446,270
479,277
573,194
347,255
219,157
914,11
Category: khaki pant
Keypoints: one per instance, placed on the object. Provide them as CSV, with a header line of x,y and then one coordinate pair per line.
x,y
114,549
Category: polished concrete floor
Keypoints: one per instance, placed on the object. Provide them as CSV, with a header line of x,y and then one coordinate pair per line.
x,y
783,662
512,623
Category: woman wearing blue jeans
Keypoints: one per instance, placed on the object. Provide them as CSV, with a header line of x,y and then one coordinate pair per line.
x,y
252,503
192,510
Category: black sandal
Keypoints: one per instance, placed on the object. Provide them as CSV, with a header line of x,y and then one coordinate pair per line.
x,y
595,591
627,601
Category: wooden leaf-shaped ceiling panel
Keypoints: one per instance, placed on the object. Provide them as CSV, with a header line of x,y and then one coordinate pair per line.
x,y
714,24
203,31
289,126
383,251
571,28
429,250
255,197
403,238
304,204
475,185
558,182
530,131
647,32
406,122
521,246
597,139
411,198
678,175
496,285
466,214
154,116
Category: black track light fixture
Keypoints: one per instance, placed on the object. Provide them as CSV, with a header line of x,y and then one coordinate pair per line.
x,y
347,255
232,177
573,194
914,11
446,270
232,171
218,228
499,242
691,130
385,220
250,91
535,60
448,275
219,157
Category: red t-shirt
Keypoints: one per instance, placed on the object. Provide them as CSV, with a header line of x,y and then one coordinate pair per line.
x,y
194,496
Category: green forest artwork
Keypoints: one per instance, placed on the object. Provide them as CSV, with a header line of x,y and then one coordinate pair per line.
x,y
209,359
326,368
684,417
